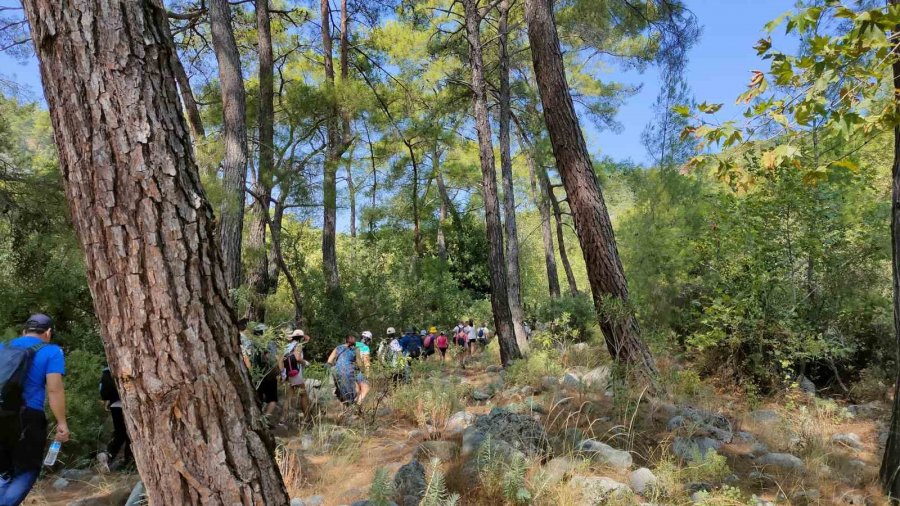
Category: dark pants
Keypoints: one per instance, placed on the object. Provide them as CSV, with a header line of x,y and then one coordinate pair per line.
x,y
120,436
22,441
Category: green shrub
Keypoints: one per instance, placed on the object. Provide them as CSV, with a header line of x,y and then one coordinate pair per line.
x,y
429,400
532,369
568,317
85,413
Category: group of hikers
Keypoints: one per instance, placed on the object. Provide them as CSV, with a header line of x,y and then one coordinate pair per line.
x,y
32,370
350,362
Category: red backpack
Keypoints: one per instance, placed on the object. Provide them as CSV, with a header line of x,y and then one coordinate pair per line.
x,y
428,340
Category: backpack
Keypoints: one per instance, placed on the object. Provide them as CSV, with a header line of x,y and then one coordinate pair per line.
x,y
480,332
14,365
461,337
429,340
108,390
291,365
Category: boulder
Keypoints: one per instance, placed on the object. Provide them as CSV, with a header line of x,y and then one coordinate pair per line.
x,y
849,440
642,480
806,497
459,421
806,385
76,474
705,423
535,406
409,484
855,499
689,449
494,368
138,495
527,391
872,409
570,380
521,432
297,502
604,454
784,462
597,378
442,450
595,490
481,395
549,383
316,500
558,468
60,483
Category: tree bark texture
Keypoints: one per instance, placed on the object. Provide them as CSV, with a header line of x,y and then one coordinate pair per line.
x,y
351,193
187,98
234,164
258,277
890,465
332,157
154,270
592,224
509,193
509,350
540,198
441,240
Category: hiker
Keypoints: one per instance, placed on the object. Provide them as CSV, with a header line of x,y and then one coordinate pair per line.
x,y
109,394
31,370
482,334
264,360
364,361
343,359
527,330
442,344
411,343
293,363
428,342
471,336
395,360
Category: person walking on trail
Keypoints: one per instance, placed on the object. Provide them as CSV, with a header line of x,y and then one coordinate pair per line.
x,y
395,359
428,343
364,362
471,336
109,394
343,360
482,335
442,344
31,370
265,362
411,343
293,363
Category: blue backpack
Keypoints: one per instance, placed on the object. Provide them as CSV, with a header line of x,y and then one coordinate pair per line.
x,y
14,364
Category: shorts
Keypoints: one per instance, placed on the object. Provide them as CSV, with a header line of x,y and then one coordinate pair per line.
x,y
296,381
268,390
361,378
443,351
429,351
22,441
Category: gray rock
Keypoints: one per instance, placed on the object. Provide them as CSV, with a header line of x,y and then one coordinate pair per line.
x,y
760,477
527,391
782,462
676,422
96,480
534,405
137,496
494,368
758,449
745,437
595,490
697,486
442,450
459,421
642,480
481,395
471,441
849,440
605,454
316,500
117,495
580,347
409,484
297,502
855,499
872,409
689,449
384,411
521,432
549,383
806,385
570,380
76,474
60,483
416,435
806,497
558,468
765,416
597,378
307,442
705,423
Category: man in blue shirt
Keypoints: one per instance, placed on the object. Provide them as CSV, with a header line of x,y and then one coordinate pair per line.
x,y
22,437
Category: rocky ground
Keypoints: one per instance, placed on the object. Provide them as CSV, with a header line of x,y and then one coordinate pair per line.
x,y
573,438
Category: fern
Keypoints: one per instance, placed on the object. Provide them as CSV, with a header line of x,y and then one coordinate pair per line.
x,y
382,490
436,491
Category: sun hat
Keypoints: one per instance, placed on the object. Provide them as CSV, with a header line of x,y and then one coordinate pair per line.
x,y
297,333
432,330
391,330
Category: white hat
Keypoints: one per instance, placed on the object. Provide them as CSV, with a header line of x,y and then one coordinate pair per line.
x,y
391,330
297,333
366,334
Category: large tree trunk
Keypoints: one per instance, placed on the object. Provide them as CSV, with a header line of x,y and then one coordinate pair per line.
x,y
154,270
258,277
509,350
560,233
890,465
509,194
234,164
592,224
332,157
538,192
187,98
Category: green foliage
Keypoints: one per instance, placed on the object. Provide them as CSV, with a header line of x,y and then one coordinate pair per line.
x,y
568,317
431,399
502,471
84,409
436,493
710,467
532,369
381,492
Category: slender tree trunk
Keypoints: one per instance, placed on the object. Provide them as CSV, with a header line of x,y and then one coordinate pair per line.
x,y
442,191
592,224
509,194
560,232
258,277
890,465
234,165
509,350
275,235
541,202
154,270
351,190
417,231
332,156
187,98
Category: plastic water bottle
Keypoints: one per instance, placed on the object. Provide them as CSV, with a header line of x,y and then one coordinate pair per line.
x,y
50,459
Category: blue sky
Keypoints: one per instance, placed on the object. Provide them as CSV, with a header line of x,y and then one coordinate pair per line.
x,y
718,71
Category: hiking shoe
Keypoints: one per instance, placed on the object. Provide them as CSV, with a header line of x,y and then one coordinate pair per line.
x,y
103,462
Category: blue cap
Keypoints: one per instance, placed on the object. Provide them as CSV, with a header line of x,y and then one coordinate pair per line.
x,y
39,322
